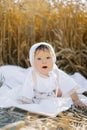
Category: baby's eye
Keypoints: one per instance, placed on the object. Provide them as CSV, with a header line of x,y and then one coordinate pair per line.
x,y
38,58
48,58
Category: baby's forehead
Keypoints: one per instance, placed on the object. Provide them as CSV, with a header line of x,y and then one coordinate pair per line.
x,y
43,48
41,51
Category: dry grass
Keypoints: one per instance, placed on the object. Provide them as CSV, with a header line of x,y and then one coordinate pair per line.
x,y
29,21
72,119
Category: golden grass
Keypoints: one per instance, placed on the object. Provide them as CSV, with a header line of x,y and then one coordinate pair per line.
x,y
72,119
29,21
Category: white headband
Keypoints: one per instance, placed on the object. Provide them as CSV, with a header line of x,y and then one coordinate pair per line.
x,y
35,46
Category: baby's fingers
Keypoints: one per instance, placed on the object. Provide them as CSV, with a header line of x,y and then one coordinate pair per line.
x,y
80,104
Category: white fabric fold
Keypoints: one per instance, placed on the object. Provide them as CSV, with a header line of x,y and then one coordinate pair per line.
x,y
9,97
27,84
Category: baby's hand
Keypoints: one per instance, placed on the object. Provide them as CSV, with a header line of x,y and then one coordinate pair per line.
x,y
25,101
59,94
80,104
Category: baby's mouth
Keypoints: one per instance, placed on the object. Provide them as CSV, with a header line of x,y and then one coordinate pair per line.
x,y
44,67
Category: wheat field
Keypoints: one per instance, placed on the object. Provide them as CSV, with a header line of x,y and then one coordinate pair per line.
x,y
26,22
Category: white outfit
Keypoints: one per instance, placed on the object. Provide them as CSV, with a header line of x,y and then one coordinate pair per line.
x,y
34,85
40,87
29,85
33,89
45,85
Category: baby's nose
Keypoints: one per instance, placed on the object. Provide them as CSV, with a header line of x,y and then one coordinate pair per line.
x,y
44,61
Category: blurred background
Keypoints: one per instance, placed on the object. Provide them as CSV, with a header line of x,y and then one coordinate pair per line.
x,y
62,23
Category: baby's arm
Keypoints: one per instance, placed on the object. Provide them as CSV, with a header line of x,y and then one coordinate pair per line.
x,y
77,102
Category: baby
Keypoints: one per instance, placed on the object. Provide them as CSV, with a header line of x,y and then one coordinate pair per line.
x,y
45,80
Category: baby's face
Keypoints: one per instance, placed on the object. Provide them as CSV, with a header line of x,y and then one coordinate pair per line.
x,y
43,61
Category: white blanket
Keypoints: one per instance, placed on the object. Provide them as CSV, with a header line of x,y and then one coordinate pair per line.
x,y
14,76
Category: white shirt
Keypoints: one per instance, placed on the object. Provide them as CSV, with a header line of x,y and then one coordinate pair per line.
x,y
46,85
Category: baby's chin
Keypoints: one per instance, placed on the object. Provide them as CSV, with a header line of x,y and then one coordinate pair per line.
x,y
44,73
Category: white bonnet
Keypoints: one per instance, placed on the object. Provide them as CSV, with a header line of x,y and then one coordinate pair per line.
x,y
35,46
